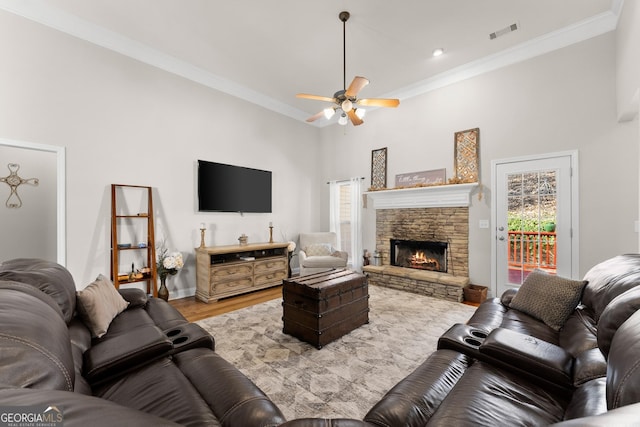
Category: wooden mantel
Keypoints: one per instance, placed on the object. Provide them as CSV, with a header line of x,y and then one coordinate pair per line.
x,y
453,195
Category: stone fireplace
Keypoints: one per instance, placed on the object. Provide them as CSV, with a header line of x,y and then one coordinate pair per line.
x,y
423,237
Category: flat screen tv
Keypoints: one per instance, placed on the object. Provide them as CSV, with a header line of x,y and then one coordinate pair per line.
x,y
227,188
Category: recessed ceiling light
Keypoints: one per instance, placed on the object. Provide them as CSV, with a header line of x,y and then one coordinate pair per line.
x,y
437,52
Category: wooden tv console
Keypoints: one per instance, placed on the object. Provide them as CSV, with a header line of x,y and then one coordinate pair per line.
x,y
224,271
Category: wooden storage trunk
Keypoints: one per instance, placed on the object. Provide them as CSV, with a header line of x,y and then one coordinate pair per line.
x,y
322,307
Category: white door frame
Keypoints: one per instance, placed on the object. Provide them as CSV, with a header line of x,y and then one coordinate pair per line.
x,y
61,232
575,225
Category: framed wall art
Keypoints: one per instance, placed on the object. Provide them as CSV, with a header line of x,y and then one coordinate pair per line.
x,y
424,178
467,148
379,169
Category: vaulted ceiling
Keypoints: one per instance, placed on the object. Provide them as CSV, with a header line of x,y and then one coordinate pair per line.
x,y
267,51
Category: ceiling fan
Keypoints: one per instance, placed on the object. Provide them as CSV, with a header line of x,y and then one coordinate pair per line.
x,y
346,100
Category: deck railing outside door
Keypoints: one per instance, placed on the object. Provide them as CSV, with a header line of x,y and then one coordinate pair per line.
x,y
529,250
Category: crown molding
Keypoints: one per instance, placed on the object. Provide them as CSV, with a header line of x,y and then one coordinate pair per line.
x,y
38,11
42,13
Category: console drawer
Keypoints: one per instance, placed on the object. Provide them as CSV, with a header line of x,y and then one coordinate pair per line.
x,y
226,272
273,264
231,286
274,277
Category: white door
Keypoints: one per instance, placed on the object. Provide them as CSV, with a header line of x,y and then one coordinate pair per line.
x,y
535,217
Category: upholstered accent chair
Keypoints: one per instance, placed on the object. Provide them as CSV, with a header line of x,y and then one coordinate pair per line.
x,y
318,253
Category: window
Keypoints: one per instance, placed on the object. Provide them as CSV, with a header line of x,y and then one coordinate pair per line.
x,y
345,218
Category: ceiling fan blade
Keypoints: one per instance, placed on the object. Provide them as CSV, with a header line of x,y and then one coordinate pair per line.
x,y
315,117
379,102
356,86
357,121
316,97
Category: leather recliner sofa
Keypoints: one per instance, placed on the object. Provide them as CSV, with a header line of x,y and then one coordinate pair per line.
x,y
505,367
152,367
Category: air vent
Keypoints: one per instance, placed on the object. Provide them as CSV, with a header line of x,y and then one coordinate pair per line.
x,y
504,31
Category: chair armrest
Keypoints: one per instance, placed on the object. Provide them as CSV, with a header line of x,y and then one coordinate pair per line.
x,y
302,255
341,254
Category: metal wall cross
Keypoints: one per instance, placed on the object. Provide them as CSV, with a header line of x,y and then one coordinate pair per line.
x,y
13,181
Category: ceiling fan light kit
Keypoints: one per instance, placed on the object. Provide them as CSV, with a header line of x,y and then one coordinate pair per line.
x,y
346,100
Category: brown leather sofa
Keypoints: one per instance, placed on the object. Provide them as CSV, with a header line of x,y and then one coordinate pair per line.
x,y
507,368
151,368
503,367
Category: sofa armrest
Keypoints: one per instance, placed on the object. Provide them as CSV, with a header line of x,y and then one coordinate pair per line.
x,y
507,296
529,356
122,353
135,297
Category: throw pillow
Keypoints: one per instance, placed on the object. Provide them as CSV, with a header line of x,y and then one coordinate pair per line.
x,y
548,298
98,304
319,249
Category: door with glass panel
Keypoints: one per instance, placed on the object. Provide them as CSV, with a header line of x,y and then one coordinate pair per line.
x,y
534,218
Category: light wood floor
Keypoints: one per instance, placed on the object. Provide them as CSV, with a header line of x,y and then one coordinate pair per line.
x,y
194,309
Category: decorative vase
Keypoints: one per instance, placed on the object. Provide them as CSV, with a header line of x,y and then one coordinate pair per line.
x,y
163,292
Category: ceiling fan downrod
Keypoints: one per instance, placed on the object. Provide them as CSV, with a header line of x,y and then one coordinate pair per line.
x,y
344,17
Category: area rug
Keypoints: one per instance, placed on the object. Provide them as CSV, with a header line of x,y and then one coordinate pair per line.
x,y
346,377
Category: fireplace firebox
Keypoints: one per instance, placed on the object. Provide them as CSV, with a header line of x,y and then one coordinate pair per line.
x,y
422,255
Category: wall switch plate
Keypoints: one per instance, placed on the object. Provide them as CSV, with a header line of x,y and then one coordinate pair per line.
x,y
483,223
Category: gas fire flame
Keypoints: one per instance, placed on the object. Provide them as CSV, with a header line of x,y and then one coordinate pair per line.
x,y
420,259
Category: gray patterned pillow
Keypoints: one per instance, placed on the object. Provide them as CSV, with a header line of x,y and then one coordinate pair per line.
x,y
549,298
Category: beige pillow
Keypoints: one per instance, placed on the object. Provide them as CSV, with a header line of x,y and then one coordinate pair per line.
x,y
98,304
319,249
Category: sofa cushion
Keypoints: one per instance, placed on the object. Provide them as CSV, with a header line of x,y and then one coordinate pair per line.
x,y
609,279
318,249
35,351
98,304
623,367
47,276
616,313
79,410
549,298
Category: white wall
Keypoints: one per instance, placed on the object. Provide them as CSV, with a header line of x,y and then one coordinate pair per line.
x,y
561,101
628,60
127,123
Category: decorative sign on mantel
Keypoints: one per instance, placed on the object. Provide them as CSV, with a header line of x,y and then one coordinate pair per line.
x,y
421,179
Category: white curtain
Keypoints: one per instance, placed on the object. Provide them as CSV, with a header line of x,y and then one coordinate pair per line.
x,y
355,199
334,208
356,234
